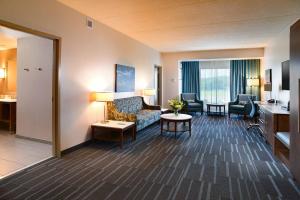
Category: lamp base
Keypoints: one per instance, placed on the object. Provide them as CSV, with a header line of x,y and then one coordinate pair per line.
x,y
104,121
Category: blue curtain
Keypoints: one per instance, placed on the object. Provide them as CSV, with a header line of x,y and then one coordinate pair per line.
x,y
191,77
240,71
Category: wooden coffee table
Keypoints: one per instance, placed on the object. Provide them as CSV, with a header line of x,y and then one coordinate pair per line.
x,y
219,109
113,131
172,118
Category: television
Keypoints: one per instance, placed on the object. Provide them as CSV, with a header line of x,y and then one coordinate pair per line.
x,y
268,76
285,75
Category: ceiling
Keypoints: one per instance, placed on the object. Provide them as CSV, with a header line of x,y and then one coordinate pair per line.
x,y
8,38
183,25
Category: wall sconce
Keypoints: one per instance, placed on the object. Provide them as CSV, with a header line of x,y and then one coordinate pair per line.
x,y
2,73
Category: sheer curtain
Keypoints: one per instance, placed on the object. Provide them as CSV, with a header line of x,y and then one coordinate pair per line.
x,y
215,81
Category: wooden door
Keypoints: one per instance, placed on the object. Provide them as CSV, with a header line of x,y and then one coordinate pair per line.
x,y
34,88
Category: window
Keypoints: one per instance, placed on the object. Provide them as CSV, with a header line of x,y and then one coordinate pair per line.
x,y
215,81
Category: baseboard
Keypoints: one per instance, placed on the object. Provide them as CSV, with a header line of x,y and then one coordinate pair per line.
x,y
76,147
33,139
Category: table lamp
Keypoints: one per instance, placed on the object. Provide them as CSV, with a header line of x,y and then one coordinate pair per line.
x,y
149,92
252,82
103,97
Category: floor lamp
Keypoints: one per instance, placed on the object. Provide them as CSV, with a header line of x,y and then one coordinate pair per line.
x,y
103,97
252,82
149,93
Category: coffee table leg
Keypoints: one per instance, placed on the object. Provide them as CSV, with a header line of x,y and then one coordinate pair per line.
x,y
161,126
190,127
132,134
121,142
175,128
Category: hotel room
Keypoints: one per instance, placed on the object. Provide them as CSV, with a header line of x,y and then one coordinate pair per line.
x,y
132,99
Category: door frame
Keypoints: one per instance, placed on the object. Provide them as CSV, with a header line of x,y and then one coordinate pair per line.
x,y
56,147
159,95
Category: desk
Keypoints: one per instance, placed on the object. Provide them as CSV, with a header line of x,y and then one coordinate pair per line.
x,y
272,119
8,113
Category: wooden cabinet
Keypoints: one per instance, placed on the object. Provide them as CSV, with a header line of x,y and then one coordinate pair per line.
x,y
295,100
273,119
8,113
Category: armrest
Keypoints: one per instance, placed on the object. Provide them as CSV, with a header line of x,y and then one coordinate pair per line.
x,y
152,107
199,101
233,102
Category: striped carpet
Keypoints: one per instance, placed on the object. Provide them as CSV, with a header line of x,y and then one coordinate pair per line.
x,y
221,160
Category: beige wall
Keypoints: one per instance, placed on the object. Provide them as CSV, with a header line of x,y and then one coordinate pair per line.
x,y
8,60
277,51
87,60
170,65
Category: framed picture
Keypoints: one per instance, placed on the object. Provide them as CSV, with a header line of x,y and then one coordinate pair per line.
x,y
125,78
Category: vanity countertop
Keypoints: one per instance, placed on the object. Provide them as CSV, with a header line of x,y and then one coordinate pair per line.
x,y
8,100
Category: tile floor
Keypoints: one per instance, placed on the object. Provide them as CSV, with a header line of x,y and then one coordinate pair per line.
x,y
17,153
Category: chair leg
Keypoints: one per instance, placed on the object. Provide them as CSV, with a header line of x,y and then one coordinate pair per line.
x,y
252,126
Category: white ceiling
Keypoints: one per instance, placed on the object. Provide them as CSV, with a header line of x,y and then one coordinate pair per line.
x,y
8,38
182,25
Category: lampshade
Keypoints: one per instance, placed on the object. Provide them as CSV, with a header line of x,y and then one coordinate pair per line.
x,y
252,82
103,96
2,73
149,92
268,87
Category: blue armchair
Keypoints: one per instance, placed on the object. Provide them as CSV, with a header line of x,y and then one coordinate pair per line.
x,y
191,103
241,105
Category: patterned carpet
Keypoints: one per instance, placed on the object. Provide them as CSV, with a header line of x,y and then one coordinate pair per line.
x,y
221,160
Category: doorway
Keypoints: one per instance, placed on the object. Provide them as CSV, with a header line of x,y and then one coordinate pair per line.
x,y
158,84
28,97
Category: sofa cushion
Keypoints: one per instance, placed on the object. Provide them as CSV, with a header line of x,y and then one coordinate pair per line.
x,y
237,107
129,105
194,104
147,117
243,102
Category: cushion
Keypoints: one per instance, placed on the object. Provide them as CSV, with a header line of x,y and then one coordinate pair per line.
x,y
243,102
190,101
129,105
188,96
146,117
237,107
194,104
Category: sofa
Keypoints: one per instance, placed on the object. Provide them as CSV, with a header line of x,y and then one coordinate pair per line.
x,y
191,103
241,105
133,109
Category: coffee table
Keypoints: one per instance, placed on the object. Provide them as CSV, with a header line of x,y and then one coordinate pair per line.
x,y
219,109
172,118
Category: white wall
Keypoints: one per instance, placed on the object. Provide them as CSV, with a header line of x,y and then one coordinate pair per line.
x,y
170,65
88,59
277,51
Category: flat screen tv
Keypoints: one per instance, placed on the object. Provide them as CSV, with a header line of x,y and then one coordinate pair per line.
x,y
268,76
285,77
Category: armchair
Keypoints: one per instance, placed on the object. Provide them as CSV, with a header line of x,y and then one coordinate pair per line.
x,y
241,105
191,103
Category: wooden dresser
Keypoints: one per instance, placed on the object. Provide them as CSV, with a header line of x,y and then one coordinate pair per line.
x,y
273,119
